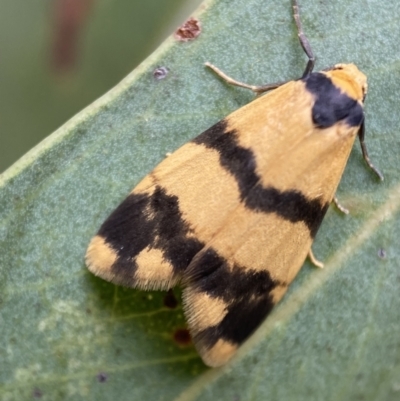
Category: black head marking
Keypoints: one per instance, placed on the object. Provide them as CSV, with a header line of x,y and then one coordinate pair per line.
x,y
331,104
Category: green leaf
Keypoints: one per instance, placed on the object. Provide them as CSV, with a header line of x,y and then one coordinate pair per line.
x,y
67,335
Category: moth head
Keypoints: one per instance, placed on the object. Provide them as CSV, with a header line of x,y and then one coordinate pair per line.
x,y
349,79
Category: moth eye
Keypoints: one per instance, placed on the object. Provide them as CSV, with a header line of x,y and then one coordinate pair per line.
x,y
364,90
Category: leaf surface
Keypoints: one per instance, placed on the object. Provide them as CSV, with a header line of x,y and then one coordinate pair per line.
x,y
67,335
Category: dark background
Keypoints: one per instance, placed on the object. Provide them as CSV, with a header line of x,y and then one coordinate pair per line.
x,y
57,56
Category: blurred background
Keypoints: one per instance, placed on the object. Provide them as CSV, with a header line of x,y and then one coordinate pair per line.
x,y
57,56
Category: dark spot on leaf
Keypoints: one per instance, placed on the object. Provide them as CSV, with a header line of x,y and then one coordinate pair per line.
x,y
182,337
37,393
170,300
102,377
189,30
160,73
382,253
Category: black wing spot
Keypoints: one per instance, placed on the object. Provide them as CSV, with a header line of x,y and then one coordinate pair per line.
x,y
153,220
246,292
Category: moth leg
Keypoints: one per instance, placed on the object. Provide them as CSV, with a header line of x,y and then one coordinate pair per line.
x,y
305,44
314,260
339,206
254,88
361,135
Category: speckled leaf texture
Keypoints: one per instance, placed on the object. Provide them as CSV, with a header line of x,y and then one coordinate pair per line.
x,y
66,335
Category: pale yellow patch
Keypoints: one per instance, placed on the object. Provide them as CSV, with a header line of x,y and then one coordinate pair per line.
x,y
349,79
153,271
100,257
204,311
209,194
219,354
264,242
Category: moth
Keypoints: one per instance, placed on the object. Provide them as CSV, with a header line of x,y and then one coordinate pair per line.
x,y
232,214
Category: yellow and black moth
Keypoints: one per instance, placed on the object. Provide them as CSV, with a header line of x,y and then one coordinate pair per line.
x,y
232,214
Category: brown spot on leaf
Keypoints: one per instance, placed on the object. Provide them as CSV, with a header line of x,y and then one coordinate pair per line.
x,y
170,300
182,337
189,30
102,377
37,393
